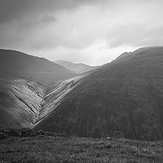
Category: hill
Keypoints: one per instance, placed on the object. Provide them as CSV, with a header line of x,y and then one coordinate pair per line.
x,y
120,99
24,80
76,67
17,65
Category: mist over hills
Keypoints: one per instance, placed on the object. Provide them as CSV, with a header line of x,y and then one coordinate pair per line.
x,y
76,67
120,99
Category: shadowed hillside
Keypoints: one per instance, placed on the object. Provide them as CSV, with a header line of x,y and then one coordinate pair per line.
x,y
121,99
17,65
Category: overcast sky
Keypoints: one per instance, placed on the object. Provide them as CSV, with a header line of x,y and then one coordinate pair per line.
x,y
89,31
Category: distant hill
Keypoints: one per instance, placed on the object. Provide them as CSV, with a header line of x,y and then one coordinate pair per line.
x,y
121,99
76,67
17,65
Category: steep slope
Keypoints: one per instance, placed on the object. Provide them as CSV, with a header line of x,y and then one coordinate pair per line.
x,y
76,67
17,65
55,94
20,103
25,103
122,99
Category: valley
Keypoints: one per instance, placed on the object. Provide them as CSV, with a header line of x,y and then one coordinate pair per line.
x,y
26,103
54,96
120,99
81,81
112,113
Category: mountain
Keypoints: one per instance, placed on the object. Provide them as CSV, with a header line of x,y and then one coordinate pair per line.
x,y
17,65
125,54
76,67
121,99
24,80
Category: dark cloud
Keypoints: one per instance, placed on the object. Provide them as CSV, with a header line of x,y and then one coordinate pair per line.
x,y
22,21
15,9
80,25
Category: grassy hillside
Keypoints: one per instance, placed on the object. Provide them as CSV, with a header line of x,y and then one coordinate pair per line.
x,y
14,64
29,146
121,99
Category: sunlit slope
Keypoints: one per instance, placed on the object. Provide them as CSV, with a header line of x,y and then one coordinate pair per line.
x,y
24,80
55,94
122,99
25,103
20,103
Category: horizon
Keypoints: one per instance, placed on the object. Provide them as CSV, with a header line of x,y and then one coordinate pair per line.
x,y
80,62
92,32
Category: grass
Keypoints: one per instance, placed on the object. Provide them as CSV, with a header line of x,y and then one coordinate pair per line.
x,y
49,147
120,99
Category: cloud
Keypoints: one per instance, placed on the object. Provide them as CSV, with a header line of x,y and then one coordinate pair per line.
x,y
26,23
15,9
135,35
47,19
79,25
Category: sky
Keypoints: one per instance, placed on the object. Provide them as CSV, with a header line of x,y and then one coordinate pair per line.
x,y
88,31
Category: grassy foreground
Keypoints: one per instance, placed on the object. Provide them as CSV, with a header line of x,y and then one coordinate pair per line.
x,y
36,147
